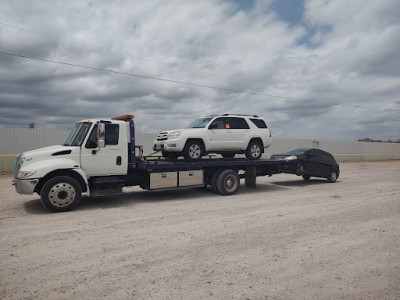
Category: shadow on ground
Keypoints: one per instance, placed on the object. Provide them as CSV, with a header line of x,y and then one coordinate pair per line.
x,y
301,183
130,198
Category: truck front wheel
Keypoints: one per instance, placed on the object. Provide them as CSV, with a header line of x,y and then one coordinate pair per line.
x,y
61,193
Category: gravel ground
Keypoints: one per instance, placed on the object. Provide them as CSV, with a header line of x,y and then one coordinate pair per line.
x,y
287,239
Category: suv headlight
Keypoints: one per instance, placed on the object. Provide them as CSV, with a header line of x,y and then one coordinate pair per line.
x,y
25,174
174,135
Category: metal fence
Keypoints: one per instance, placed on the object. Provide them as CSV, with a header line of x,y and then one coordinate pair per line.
x,y
17,140
367,157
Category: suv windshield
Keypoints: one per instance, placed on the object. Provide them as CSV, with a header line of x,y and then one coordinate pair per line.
x,y
200,123
77,134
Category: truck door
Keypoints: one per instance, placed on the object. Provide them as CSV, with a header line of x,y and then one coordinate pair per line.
x,y
110,160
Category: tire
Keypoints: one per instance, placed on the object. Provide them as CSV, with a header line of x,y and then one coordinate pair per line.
x,y
254,150
332,176
214,180
300,169
306,177
228,182
228,155
193,150
62,193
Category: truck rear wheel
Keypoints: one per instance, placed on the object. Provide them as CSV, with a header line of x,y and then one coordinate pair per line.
x,y
62,193
227,182
214,180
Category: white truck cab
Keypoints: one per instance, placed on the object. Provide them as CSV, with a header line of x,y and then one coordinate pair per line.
x,y
96,147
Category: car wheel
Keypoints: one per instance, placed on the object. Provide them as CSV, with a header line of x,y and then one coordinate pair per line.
x,y
300,169
306,177
332,176
193,150
228,182
228,155
254,150
61,193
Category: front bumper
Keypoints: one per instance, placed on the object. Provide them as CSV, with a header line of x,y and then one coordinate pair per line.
x,y
25,186
169,145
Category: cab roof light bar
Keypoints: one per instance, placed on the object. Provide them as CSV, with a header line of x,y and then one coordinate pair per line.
x,y
124,118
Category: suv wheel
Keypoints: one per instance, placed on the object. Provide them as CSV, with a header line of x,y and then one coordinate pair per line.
x,y
193,150
254,150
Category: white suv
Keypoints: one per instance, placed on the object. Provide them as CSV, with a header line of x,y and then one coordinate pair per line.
x,y
227,134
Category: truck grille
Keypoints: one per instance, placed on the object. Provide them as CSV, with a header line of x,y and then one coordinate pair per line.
x,y
18,164
162,136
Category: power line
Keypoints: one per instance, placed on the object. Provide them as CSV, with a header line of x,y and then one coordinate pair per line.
x,y
187,83
46,35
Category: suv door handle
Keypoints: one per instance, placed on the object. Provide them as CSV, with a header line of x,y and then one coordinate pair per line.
x,y
119,160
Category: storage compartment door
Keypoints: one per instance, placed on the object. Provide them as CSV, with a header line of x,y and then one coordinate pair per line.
x,y
163,180
188,178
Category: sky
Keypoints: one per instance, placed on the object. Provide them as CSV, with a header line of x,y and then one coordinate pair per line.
x,y
324,70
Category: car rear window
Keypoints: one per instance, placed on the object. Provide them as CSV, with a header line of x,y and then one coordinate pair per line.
x,y
259,123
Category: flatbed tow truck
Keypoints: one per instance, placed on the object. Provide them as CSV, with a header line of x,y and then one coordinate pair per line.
x,y
100,157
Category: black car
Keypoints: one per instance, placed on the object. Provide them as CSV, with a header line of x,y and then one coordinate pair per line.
x,y
310,162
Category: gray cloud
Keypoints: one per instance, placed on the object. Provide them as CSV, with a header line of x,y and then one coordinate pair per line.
x,y
210,43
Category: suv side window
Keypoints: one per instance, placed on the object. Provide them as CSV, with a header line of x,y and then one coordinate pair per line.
x,y
222,123
259,123
112,136
238,123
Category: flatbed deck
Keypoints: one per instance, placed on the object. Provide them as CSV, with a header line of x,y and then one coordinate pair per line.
x,y
150,163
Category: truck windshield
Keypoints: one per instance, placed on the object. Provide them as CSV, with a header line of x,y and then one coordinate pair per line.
x,y
200,123
77,134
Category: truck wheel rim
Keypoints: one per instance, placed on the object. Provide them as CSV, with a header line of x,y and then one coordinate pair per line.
x,y
230,183
195,151
255,151
62,194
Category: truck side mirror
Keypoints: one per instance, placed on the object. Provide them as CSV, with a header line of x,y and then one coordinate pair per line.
x,y
101,135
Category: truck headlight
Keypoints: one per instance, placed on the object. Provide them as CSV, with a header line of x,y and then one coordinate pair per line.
x,y
25,174
174,135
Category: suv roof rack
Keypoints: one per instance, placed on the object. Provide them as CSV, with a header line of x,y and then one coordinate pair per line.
x,y
212,116
241,115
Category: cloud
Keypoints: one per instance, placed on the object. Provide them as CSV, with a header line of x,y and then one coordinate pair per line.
x,y
339,54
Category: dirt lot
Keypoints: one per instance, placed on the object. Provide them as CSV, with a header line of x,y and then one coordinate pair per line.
x,y
287,239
